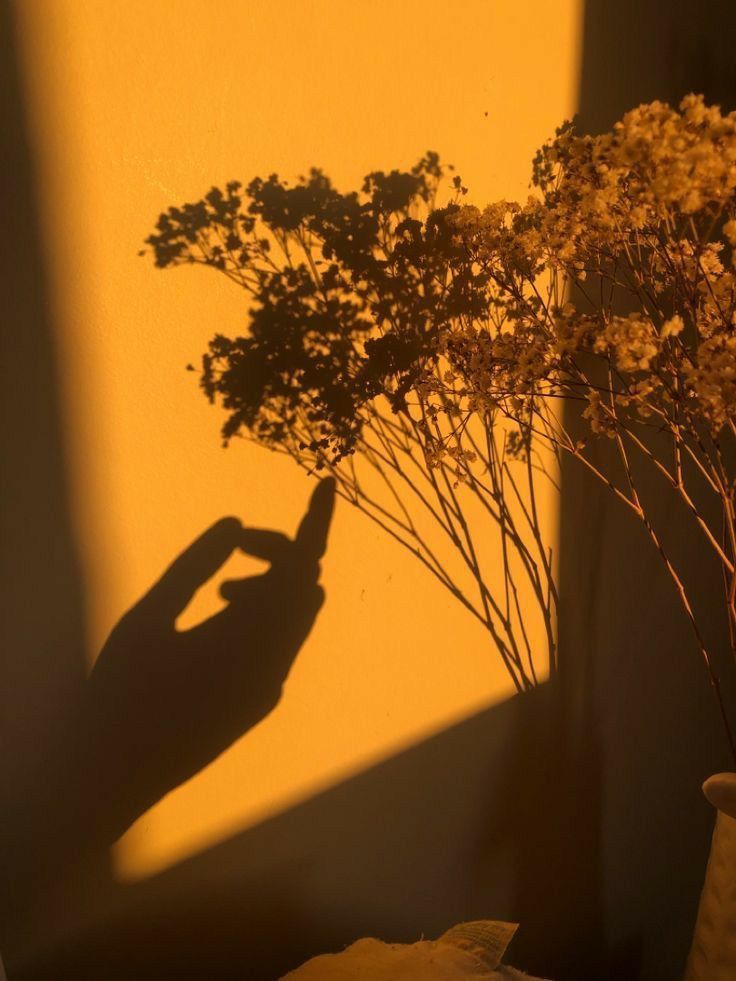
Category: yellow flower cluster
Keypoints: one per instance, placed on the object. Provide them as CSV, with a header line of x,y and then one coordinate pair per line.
x,y
713,378
598,415
632,341
655,163
626,258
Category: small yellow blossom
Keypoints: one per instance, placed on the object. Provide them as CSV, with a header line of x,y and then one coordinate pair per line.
x,y
672,327
631,340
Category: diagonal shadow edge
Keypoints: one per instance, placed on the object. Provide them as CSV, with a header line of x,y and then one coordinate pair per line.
x,y
472,823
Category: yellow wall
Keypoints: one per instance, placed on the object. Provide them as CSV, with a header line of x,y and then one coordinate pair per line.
x,y
142,104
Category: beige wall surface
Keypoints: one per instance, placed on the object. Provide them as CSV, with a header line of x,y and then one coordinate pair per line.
x,y
140,105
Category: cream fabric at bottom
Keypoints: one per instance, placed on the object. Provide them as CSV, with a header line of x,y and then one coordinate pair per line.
x,y
468,952
369,959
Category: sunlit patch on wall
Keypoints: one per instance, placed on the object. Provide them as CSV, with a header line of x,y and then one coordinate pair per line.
x,y
141,106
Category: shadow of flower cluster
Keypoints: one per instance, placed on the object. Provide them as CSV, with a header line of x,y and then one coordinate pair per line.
x,y
343,367
350,294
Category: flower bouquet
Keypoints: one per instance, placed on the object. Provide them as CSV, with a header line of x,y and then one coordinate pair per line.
x,y
439,359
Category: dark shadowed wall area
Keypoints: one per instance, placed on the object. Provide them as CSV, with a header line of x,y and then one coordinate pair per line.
x,y
656,722
42,663
41,604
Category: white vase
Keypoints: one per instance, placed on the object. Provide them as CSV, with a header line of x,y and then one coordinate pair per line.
x,y
713,951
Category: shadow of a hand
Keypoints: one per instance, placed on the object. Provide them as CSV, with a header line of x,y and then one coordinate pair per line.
x,y
163,703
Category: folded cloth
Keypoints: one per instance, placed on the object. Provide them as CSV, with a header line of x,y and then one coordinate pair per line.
x,y
467,952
